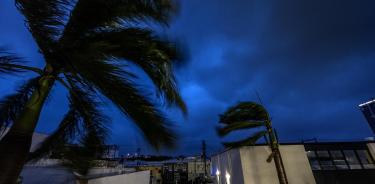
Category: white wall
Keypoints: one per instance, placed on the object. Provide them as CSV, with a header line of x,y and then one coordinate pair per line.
x,y
296,164
255,167
248,165
371,147
228,162
142,177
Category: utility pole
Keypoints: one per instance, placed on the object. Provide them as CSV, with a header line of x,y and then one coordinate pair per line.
x,y
138,156
204,157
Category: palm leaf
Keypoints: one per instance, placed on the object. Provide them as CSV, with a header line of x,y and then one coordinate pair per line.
x,y
45,20
8,62
244,111
81,158
116,85
12,105
89,15
66,132
246,142
84,117
222,131
155,56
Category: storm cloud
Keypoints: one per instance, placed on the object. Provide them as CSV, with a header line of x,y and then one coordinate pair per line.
x,y
311,62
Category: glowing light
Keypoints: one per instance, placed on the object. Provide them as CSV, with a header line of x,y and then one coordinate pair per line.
x,y
366,103
227,176
218,175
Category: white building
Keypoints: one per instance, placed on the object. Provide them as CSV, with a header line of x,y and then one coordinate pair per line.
x,y
313,163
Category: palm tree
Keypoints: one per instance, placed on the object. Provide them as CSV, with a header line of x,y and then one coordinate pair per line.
x,y
250,115
87,46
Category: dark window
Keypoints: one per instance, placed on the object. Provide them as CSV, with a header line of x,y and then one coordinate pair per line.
x,y
325,160
352,159
339,159
366,160
313,160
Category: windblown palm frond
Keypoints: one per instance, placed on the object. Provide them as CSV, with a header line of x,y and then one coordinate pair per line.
x,y
244,115
66,132
244,111
113,13
8,62
45,19
246,142
12,105
152,54
80,138
114,83
81,158
83,119
222,131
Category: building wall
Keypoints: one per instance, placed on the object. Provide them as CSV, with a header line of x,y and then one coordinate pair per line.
x,y
255,167
297,164
371,148
228,162
196,168
142,177
155,173
50,175
368,110
248,165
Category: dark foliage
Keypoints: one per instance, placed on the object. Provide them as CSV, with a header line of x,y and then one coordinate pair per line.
x,y
245,115
86,46
12,105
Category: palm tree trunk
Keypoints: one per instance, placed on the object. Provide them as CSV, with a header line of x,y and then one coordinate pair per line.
x,y
15,145
279,167
274,144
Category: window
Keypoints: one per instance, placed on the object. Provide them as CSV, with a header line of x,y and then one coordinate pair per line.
x,y
352,159
338,159
325,160
313,160
365,158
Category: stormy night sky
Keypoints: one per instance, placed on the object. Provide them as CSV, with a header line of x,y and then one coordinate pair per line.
x,y
312,63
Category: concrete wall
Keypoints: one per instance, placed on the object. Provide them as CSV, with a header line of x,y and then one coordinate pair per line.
x,y
248,165
255,167
142,177
227,163
44,175
103,171
371,148
297,164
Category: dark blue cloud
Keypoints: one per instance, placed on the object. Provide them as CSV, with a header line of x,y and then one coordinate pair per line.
x,y
311,62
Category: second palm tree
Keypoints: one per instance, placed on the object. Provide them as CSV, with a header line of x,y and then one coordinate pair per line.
x,y
247,115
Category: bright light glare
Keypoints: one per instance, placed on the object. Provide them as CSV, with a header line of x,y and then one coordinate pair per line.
x,y
227,176
367,103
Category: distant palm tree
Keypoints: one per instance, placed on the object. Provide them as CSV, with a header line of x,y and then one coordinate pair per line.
x,y
249,115
87,45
